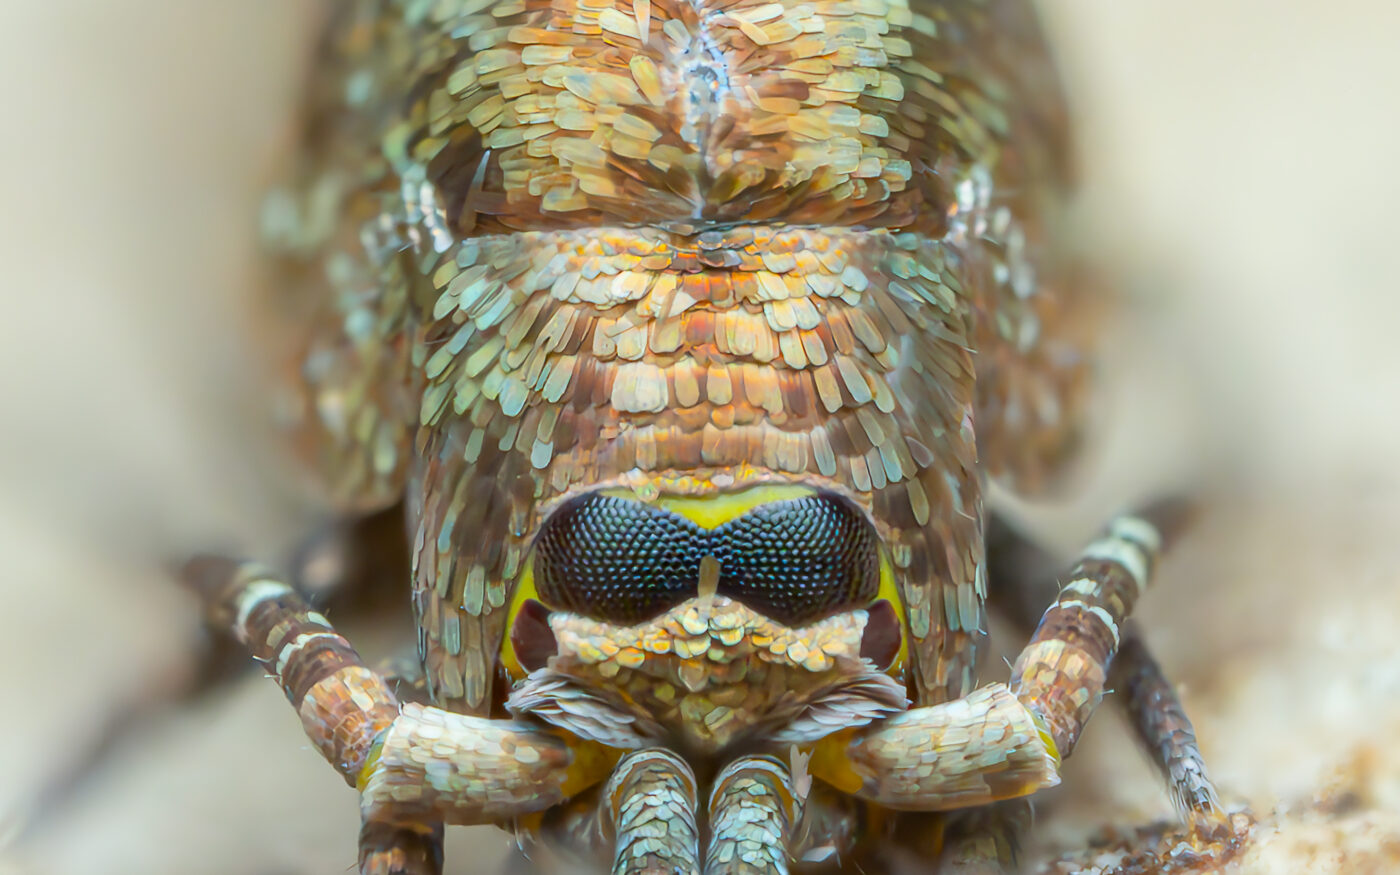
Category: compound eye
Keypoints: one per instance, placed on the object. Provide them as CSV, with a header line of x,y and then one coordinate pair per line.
x,y
800,560
616,559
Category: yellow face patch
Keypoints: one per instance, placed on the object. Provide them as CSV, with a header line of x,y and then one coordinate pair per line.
x,y
706,512
524,591
889,591
713,511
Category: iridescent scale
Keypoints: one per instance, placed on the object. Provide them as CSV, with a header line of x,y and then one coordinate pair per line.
x,y
689,334
682,247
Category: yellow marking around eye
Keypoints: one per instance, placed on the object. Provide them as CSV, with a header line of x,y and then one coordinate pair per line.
x,y
713,511
889,591
709,512
524,589
706,511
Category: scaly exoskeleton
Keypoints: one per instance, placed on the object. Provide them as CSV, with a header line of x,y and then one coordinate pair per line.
x,y
689,333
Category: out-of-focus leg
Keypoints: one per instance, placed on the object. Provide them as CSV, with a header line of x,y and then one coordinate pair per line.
x,y
986,841
1022,576
976,841
1166,733
400,850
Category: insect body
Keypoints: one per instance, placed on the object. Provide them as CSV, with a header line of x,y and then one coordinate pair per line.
x,y
689,333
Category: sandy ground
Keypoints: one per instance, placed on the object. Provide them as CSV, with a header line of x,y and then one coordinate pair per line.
x,y
1239,185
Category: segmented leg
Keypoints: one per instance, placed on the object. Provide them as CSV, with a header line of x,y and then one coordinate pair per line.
x,y
1063,672
435,765
1166,733
971,751
1146,695
344,706
416,767
1001,742
650,802
400,850
336,567
753,810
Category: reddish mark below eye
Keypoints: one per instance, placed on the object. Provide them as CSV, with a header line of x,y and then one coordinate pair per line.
x,y
531,636
883,635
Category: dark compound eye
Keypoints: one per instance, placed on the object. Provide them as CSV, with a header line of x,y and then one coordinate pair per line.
x,y
800,560
616,559
623,561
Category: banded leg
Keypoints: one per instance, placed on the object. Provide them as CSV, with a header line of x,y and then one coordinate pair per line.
x,y
416,767
1001,742
1063,672
1146,695
215,660
1166,733
753,811
343,705
650,802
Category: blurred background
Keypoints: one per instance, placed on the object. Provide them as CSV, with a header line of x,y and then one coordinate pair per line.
x,y
1239,185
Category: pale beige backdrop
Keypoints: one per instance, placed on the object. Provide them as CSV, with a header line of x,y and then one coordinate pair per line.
x,y
1240,184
